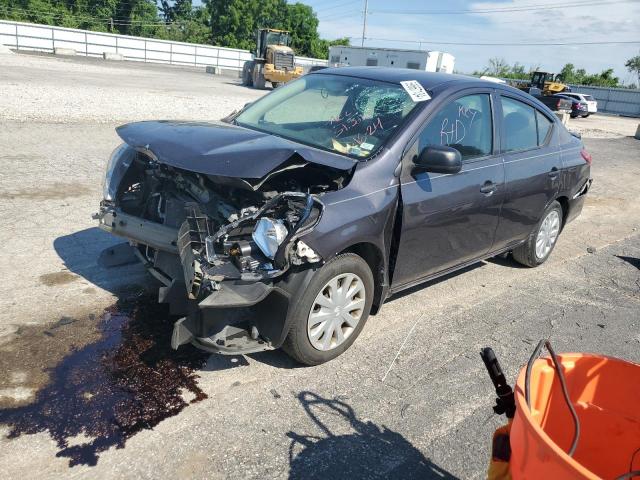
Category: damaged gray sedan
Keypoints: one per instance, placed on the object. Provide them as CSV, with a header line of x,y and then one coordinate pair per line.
x,y
290,222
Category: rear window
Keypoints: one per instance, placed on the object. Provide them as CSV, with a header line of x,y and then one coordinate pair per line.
x,y
589,98
544,127
520,128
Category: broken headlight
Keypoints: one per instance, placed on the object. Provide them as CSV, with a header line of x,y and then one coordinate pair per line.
x,y
118,164
268,235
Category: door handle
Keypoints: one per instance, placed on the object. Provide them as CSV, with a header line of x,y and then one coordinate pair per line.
x,y
488,188
554,172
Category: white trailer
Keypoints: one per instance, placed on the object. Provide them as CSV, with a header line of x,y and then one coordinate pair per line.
x,y
429,61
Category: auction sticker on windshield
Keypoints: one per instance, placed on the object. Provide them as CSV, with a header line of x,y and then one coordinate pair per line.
x,y
415,90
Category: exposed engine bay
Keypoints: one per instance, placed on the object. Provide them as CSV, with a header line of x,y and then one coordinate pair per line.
x,y
223,228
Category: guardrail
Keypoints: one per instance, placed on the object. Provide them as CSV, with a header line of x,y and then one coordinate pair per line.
x,y
47,38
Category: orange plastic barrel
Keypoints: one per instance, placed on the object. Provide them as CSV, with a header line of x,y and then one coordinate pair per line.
x,y
605,392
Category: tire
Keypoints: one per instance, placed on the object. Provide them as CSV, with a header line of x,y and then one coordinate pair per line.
x,y
527,253
298,343
585,116
247,70
275,85
258,76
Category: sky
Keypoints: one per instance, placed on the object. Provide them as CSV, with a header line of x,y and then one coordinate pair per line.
x,y
400,24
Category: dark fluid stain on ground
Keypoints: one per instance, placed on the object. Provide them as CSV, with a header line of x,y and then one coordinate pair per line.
x,y
127,381
57,278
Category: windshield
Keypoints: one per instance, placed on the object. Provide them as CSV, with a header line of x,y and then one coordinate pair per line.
x,y
277,38
348,115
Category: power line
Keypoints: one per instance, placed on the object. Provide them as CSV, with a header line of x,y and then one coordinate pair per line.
x,y
505,44
522,8
344,15
334,6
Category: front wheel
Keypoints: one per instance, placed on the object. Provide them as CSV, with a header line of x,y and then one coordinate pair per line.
x,y
332,311
258,76
540,243
247,73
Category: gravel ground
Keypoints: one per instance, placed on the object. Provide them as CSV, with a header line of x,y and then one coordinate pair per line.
x,y
64,90
410,399
604,126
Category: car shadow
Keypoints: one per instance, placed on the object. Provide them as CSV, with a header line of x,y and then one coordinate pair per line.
x,y
126,380
368,451
433,282
501,260
506,261
81,253
633,261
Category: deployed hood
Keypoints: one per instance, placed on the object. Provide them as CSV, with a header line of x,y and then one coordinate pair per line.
x,y
221,149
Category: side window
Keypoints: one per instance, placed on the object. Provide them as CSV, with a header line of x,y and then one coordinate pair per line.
x,y
519,119
544,126
464,124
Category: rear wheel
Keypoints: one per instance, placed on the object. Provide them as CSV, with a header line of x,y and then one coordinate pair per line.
x,y
258,76
540,243
332,311
585,116
275,84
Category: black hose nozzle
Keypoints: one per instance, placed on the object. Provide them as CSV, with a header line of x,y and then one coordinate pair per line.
x,y
505,403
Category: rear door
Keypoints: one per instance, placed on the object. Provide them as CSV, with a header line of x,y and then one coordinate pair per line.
x,y
531,165
450,219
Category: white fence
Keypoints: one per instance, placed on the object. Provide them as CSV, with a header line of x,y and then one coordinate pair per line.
x,y
623,101
46,38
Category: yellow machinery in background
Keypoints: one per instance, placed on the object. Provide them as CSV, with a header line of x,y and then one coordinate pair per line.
x,y
547,83
274,60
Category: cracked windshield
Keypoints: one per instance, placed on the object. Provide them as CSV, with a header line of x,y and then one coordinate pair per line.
x,y
342,114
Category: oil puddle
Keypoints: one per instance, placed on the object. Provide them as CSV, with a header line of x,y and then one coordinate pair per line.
x,y
126,380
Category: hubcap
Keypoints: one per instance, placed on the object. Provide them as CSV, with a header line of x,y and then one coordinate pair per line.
x,y
336,311
548,234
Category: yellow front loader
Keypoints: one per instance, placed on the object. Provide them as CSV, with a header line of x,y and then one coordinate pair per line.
x,y
274,61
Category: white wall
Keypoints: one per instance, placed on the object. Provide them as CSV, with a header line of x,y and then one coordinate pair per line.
x,y
46,38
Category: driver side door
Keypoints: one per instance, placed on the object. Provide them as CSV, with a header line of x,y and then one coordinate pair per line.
x,y
450,219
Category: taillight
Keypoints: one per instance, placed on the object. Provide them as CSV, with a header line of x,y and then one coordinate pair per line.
x,y
586,156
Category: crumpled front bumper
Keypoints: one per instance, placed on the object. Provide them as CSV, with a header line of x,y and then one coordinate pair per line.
x,y
136,229
240,317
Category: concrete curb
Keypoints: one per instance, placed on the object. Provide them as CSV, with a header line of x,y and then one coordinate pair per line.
x,y
5,50
112,56
64,51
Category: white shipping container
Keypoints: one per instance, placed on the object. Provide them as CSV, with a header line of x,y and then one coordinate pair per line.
x,y
429,61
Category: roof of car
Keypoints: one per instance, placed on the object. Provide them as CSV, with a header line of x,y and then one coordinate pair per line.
x,y
428,80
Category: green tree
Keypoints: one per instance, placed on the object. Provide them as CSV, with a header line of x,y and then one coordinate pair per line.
x,y
633,65
228,23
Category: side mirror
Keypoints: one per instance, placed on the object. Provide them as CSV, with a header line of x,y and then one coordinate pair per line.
x,y
439,159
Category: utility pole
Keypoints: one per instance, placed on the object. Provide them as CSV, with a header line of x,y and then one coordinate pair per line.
x,y
364,22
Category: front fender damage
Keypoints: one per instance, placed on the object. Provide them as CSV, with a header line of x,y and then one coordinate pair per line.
x,y
236,286
226,248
